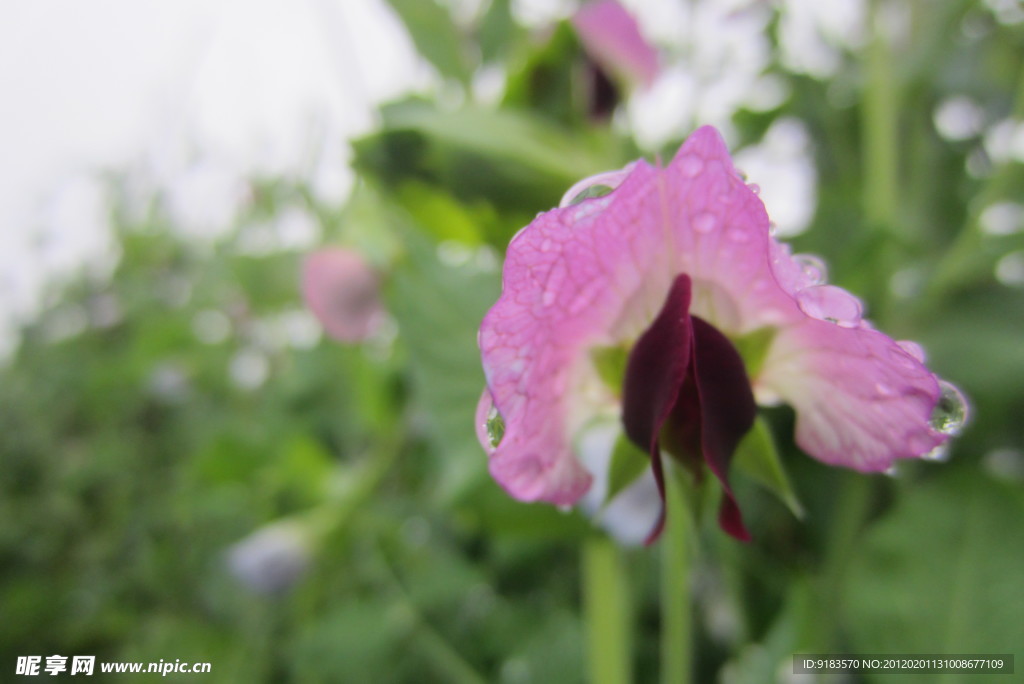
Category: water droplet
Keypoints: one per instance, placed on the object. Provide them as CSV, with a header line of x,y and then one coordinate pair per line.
x,y
813,267
593,191
938,454
891,471
773,228
705,223
495,427
546,245
755,188
738,235
913,348
951,412
884,390
548,298
692,165
830,303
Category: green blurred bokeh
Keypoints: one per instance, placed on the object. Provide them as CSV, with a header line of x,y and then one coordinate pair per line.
x,y
152,421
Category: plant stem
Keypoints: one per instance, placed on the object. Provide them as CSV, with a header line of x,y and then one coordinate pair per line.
x,y
881,134
676,605
606,606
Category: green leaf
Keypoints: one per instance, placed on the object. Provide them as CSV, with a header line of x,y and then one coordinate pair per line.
x,y
436,36
753,347
627,463
439,309
517,162
941,573
757,457
611,363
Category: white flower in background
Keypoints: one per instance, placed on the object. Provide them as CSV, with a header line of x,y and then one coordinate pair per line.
x,y
271,559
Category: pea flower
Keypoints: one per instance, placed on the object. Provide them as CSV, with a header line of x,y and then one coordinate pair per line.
x,y
343,292
633,300
612,38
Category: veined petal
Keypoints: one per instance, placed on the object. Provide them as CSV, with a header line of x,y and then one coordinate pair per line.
x,y
861,400
572,279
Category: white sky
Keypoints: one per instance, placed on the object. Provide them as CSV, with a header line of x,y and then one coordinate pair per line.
x,y
105,83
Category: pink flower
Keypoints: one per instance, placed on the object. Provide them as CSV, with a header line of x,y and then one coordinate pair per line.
x,y
612,38
673,270
342,291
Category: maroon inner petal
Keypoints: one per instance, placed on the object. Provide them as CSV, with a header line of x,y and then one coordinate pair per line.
x,y
657,367
685,372
727,411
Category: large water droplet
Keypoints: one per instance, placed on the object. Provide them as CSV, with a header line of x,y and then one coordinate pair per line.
x,y
691,166
951,412
593,191
495,427
813,267
830,303
705,223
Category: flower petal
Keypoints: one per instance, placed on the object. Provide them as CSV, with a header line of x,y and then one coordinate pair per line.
x,y
861,400
727,411
658,365
612,38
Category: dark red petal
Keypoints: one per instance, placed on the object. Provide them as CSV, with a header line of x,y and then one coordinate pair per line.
x,y
658,366
727,411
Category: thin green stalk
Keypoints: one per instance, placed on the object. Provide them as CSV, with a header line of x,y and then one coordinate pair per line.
x,y
848,519
881,131
676,603
606,607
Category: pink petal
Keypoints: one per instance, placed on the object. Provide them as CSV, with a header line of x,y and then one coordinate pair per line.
x,y
342,291
861,401
612,38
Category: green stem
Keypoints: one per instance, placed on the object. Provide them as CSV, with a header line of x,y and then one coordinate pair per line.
x,y
881,131
676,604
606,607
848,519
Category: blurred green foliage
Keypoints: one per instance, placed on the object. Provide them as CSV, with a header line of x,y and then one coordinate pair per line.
x,y
152,420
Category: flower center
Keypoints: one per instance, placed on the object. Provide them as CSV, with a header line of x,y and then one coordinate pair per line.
x,y
686,383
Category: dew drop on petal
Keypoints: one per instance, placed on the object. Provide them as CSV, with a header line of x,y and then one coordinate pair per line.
x,y
884,390
755,188
951,412
938,454
913,348
590,193
705,223
813,267
495,427
692,165
738,235
830,303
